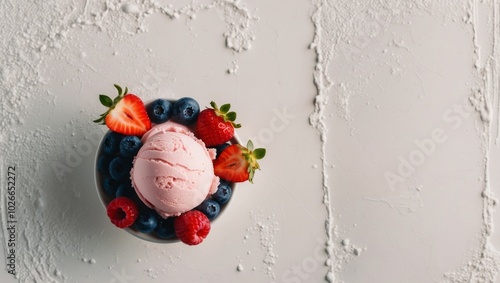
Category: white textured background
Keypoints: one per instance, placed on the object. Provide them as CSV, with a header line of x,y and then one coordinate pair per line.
x,y
399,74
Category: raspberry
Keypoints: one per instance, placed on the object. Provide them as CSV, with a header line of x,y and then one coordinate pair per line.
x,y
192,227
122,212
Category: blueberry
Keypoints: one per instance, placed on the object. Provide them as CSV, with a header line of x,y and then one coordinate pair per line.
x,y
220,148
110,186
146,222
112,143
126,190
119,168
165,228
130,145
103,163
159,111
210,208
186,111
223,193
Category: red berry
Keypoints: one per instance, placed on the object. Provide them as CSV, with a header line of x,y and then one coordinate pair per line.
x,y
126,114
216,126
122,212
231,165
192,227
237,163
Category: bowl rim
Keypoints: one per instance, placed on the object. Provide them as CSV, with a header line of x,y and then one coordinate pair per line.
x,y
105,199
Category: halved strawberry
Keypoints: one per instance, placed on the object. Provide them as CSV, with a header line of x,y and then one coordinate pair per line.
x,y
126,114
216,126
238,163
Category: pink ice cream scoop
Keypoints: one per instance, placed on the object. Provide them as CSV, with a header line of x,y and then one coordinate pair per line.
x,y
173,171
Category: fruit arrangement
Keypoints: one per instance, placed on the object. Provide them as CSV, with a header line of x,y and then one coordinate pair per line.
x,y
128,119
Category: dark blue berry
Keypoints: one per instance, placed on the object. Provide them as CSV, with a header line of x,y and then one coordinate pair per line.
x,y
159,111
130,145
146,222
165,228
119,168
103,163
223,193
126,190
110,186
210,208
111,143
220,148
186,111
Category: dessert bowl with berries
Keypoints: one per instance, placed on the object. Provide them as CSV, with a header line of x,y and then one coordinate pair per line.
x,y
166,170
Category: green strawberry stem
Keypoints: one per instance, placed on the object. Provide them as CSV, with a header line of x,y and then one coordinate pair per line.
x,y
224,113
251,156
110,103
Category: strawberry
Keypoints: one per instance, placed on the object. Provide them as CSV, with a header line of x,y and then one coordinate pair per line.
x,y
192,227
216,126
126,114
238,163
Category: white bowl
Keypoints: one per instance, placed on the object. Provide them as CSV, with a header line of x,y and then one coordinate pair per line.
x,y
105,199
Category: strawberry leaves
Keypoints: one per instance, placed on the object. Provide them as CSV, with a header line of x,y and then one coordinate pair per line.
x,y
225,114
106,101
251,156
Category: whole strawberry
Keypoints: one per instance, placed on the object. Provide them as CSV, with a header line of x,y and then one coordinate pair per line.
x,y
126,114
237,163
216,126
